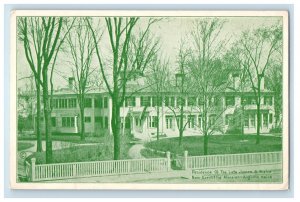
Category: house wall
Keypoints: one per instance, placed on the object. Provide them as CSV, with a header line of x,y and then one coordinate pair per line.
x,y
144,130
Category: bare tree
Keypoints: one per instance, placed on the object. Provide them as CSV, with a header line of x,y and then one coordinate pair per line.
x,y
182,88
157,80
81,48
233,61
42,40
120,32
259,47
32,40
208,74
274,83
26,101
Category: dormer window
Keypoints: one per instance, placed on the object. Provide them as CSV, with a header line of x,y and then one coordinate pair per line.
x,y
268,100
230,101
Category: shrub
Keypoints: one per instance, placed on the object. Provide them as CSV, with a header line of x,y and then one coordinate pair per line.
x,y
234,131
276,130
24,145
99,151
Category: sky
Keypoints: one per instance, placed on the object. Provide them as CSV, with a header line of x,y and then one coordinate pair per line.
x,y
170,31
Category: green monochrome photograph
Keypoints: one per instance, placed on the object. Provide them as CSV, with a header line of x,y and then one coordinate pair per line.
x,y
164,100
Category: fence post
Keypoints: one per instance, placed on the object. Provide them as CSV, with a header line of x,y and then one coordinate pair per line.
x,y
74,170
33,169
168,161
185,160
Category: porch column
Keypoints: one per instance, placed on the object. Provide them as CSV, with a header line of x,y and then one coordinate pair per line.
x,y
76,124
133,124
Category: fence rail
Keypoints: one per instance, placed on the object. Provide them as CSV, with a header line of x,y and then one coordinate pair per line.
x,y
214,161
98,168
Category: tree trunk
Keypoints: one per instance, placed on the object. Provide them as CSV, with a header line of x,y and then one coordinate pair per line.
x,y
258,113
242,121
181,125
82,127
205,144
115,123
157,114
47,114
39,147
258,123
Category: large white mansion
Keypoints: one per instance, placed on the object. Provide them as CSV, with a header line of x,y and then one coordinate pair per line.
x,y
139,113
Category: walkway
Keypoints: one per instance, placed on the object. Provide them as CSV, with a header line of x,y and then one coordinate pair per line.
x,y
135,151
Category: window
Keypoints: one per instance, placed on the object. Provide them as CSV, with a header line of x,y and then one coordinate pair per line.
x,y
270,118
105,102
172,101
53,121
200,121
191,123
55,103
169,122
230,101
268,100
99,121
249,100
98,103
246,120
68,122
212,120
130,101
180,101
72,103
216,101
156,101
210,101
87,119
252,119
192,101
63,103
145,101
152,121
265,120
137,121
88,102
200,101
127,122
106,122
228,119
167,103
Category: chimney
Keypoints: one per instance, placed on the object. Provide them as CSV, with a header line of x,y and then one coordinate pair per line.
x,y
236,80
71,83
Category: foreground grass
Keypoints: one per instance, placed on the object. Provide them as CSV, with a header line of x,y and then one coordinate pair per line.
x,y
24,145
99,151
221,144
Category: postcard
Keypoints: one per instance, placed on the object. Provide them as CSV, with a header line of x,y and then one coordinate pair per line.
x,y
149,100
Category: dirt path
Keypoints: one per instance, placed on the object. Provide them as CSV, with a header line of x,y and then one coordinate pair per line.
x,y
135,151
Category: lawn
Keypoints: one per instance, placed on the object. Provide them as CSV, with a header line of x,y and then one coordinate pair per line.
x,y
221,144
67,138
24,145
91,152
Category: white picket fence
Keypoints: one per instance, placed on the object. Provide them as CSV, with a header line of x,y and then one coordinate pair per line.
x,y
226,160
97,168
134,166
